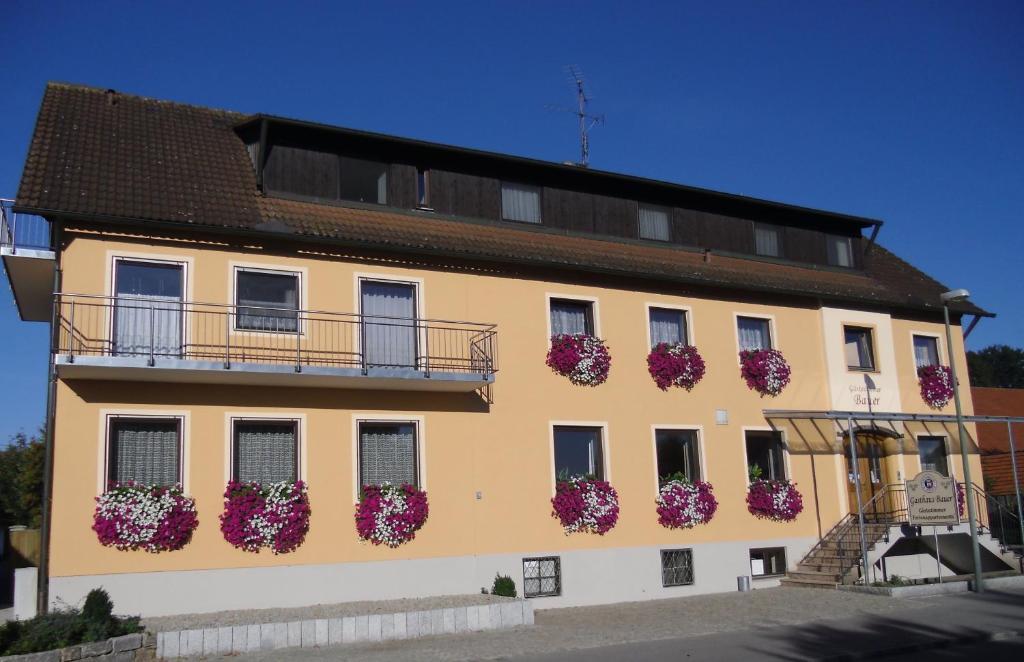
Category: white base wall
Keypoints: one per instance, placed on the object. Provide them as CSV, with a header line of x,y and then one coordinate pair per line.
x,y
589,577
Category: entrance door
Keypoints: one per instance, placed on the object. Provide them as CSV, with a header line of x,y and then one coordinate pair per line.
x,y
872,474
148,309
389,319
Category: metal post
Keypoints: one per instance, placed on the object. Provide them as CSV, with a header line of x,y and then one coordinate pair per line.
x,y
362,343
860,505
426,351
152,335
938,554
71,332
1016,480
968,484
298,343
227,340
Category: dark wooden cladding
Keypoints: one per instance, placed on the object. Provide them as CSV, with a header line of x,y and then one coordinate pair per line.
x,y
725,233
402,188
802,245
569,210
301,171
460,194
687,227
615,216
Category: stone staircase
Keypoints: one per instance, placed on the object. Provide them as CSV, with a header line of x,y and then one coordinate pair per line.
x,y
836,555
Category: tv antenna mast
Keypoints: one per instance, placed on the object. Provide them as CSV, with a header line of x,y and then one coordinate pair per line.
x,y
586,120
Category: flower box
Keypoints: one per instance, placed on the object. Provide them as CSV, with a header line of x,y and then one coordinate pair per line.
x,y
148,517
684,505
584,359
765,371
585,504
675,365
389,514
936,382
776,500
273,516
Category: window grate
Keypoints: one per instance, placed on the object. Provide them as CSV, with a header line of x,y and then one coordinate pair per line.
x,y
542,577
676,567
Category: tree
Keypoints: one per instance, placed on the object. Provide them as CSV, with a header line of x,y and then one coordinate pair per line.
x,y
1000,366
22,465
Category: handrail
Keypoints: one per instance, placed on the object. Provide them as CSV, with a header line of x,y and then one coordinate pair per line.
x,y
22,230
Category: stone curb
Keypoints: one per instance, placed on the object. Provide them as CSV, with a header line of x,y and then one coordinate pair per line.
x,y
924,646
922,590
322,632
117,649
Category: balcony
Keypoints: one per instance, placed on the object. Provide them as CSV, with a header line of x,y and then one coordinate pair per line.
x,y
146,339
28,260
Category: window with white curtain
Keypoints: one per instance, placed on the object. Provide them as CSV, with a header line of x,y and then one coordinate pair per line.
x,y
265,451
571,317
654,223
388,453
754,333
146,451
926,351
267,300
389,316
840,250
859,348
767,240
668,325
363,180
520,202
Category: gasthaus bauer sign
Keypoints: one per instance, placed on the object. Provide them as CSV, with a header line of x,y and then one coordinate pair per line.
x,y
931,499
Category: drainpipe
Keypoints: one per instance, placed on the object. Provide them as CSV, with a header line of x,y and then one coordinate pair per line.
x,y
43,577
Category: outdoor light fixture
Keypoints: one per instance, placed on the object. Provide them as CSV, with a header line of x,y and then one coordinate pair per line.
x,y
956,296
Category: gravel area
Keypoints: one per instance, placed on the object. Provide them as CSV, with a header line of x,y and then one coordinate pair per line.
x,y
252,616
590,627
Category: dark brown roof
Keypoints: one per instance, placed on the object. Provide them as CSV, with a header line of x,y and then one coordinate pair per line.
x,y
994,437
116,157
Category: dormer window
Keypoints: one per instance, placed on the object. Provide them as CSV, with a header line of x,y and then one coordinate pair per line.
x,y
520,202
654,223
767,240
840,250
363,181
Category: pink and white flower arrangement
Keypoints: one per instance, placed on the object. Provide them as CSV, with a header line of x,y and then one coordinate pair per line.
x,y
765,370
675,365
936,383
148,517
684,505
776,500
583,358
390,515
961,499
585,504
275,516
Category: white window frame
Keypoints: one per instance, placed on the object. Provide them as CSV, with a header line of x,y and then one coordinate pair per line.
x,y
785,450
230,418
420,295
668,214
945,445
780,241
595,310
939,348
107,416
417,420
772,330
186,264
606,463
301,273
540,201
849,242
699,429
873,345
687,311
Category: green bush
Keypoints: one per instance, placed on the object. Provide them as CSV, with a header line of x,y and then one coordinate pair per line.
x,y
504,586
66,627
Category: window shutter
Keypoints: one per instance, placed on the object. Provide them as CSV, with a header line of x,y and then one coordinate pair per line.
x,y
145,452
265,452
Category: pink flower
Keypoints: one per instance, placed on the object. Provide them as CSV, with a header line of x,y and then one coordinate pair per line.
x,y
764,370
275,516
684,505
583,504
675,365
582,358
936,383
776,500
148,517
390,515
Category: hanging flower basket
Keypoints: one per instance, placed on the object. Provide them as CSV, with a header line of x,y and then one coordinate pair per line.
x,y
585,504
582,358
675,365
936,385
390,515
148,517
765,371
275,516
684,505
961,499
776,500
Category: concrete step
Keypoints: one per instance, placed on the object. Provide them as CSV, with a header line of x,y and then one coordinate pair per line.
x,y
813,576
805,583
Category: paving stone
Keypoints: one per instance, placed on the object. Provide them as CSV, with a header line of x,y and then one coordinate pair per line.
x,y
412,625
253,638
362,628
495,616
373,627
320,632
127,642
210,641
528,618
224,640
437,621
461,620
348,629
308,628
472,619
239,638
294,634
334,631
448,621
70,654
170,639
95,649
425,624
511,614
484,617
400,625
387,627
195,642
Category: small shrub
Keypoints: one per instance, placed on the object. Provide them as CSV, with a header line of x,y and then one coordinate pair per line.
x,y
66,627
504,586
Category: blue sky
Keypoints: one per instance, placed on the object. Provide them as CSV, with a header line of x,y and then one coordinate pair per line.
x,y
910,112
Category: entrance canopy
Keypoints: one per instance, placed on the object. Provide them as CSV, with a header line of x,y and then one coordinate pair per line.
x,y
825,432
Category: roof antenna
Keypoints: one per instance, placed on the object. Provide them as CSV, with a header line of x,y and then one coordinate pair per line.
x,y
586,120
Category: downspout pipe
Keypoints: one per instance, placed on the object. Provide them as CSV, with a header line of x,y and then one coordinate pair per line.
x,y
43,576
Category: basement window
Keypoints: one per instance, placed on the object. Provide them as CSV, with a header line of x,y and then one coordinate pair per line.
x,y
768,562
363,180
676,567
542,577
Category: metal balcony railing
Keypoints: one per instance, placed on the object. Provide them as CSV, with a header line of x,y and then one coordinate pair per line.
x,y
22,230
164,332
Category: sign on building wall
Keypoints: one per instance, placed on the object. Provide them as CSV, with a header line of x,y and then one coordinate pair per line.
x,y
931,499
